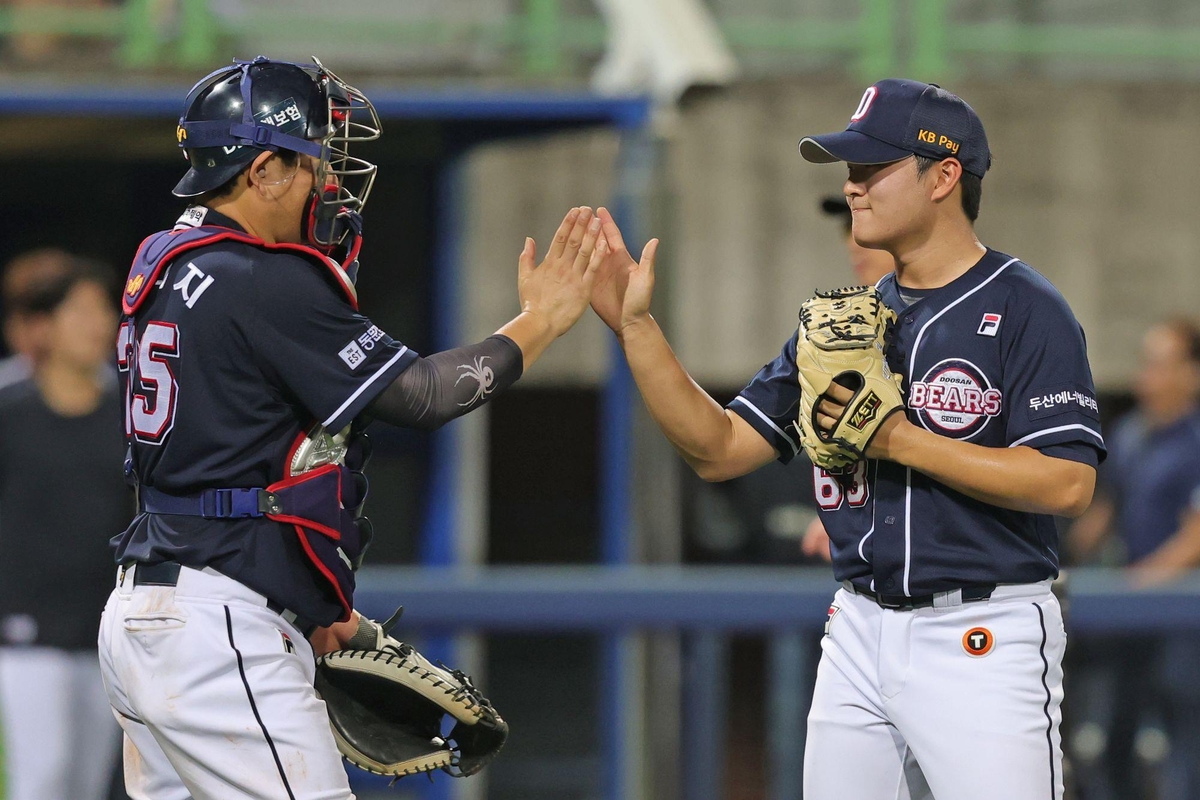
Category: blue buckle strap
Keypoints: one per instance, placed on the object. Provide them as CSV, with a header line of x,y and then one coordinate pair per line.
x,y
234,503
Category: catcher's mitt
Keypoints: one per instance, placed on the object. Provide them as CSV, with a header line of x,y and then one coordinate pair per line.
x,y
843,337
386,702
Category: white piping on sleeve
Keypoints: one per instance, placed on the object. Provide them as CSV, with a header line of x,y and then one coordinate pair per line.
x,y
795,447
1059,429
365,385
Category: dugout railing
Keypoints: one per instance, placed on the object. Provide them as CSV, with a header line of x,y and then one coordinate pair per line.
x,y
707,606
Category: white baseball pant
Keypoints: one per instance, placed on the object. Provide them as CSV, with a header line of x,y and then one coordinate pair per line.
x,y
953,703
215,694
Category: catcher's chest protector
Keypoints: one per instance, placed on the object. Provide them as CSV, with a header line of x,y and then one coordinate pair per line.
x,y
322,488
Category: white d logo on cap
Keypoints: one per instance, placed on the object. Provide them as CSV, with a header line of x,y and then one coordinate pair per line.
x,y
864,105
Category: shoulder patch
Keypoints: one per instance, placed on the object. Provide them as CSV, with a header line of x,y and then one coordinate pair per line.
x,y
1062,399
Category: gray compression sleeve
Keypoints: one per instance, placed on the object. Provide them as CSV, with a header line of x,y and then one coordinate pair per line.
x,y
446,385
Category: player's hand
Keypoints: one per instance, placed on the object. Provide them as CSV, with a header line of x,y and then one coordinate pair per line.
x,y
557,290
335,637
832,405
623,287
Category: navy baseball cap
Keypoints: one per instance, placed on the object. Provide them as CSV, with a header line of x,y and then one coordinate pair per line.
x,y
897,118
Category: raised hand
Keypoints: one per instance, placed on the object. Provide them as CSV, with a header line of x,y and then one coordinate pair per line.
x,y
558,290
622,288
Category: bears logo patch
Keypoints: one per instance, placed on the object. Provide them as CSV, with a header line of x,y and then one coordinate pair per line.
x,y
955,399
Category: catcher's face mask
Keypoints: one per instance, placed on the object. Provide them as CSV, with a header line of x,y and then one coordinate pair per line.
x,y
343,181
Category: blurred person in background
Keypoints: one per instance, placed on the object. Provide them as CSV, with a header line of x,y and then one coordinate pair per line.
x,y
868,266
1146,517
25,333
62,493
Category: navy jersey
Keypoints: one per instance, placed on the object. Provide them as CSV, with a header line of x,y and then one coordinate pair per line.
x,y
238,351
995,358
1153,477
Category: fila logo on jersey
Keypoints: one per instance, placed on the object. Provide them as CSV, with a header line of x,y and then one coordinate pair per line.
x,y
989,325
955,399
833,612
978,642
868,407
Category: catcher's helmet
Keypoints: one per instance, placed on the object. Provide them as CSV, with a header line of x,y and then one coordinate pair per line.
x,y
237,112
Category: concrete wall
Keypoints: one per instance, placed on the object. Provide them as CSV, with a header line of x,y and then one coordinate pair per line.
x,y
1092,185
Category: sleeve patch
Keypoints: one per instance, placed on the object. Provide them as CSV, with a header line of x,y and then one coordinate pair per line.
x,y
353,355
1063,399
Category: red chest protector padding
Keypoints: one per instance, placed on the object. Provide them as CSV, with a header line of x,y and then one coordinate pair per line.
x,y
159,249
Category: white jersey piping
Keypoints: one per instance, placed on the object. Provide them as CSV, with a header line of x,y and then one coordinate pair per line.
x,y
912,361
366,384
766,419
1059,429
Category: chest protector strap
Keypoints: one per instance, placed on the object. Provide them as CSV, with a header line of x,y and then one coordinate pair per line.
x,y
323,503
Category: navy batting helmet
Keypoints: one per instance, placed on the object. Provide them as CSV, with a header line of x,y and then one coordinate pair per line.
x,y
239,111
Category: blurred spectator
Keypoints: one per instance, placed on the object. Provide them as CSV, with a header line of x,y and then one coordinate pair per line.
x,y
26,333
1146,516
868,266
62,496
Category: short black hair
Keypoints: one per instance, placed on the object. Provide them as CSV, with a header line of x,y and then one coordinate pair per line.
x,y
46,295
288,157
972,186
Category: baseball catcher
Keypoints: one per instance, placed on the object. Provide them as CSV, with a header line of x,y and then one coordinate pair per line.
x,y
842,339
248,374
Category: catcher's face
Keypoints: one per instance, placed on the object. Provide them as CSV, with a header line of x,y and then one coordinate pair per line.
x,y
282,192
887,202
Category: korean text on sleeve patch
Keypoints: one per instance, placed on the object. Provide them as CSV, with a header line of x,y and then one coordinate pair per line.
x,y
1062,399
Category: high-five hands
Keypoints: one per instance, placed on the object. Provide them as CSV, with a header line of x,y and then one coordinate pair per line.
x,y
557,291
622,288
